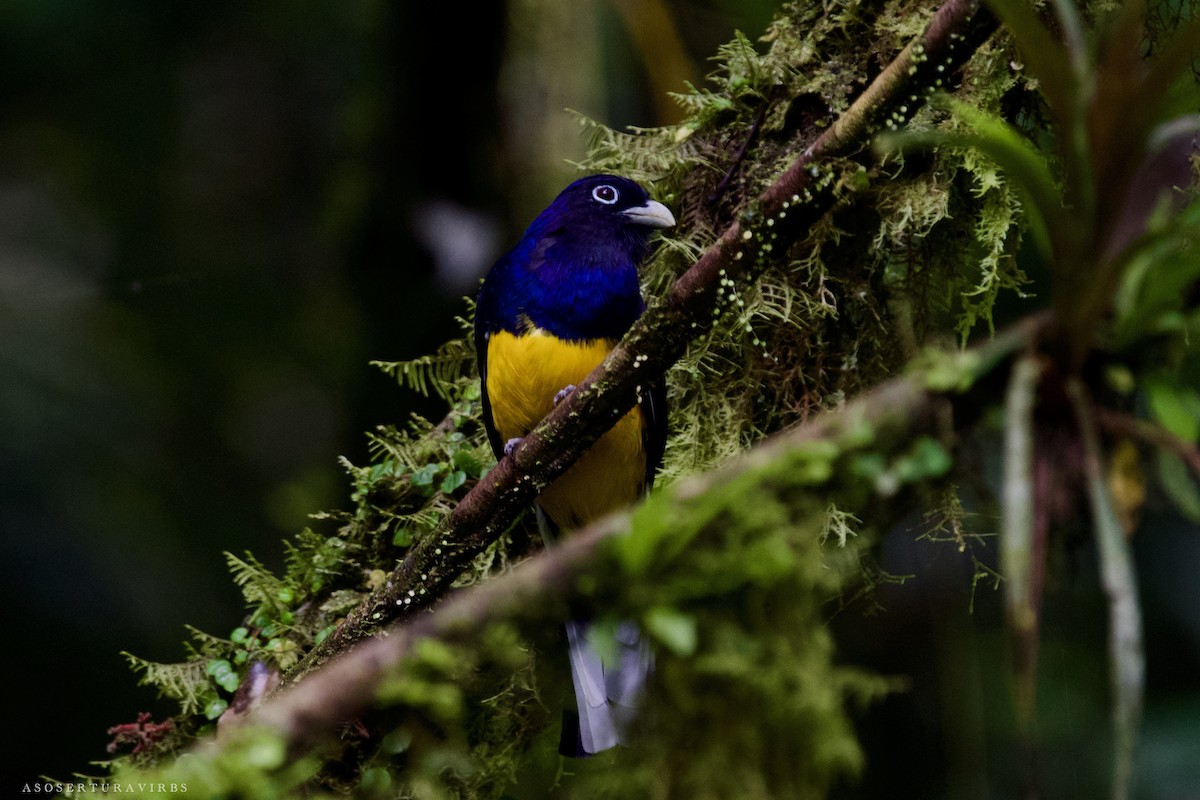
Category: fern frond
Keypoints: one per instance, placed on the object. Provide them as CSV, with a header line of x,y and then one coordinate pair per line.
x,y
314,560
185,682
259,585
438,372
342,601
206,645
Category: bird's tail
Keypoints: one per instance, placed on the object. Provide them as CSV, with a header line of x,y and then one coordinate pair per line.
x,y
609,682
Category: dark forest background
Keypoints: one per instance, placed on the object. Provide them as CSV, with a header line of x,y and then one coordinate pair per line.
x,y
212,216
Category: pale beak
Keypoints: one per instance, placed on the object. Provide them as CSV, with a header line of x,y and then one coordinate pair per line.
x,y
652,213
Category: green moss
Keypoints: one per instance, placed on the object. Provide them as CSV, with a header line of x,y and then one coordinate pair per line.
x,y
732,583
254,765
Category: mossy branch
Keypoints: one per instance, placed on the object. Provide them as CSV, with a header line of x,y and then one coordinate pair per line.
x,y
897,411
778,217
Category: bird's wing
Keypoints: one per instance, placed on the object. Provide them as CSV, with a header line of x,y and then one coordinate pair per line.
x,y
653,403
491,313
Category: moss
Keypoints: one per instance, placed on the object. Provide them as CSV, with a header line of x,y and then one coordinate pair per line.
x,y
735,583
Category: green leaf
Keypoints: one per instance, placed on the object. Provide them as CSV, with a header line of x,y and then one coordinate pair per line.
x,y
375,782
1026,165
1175,407
215,709
403,537
438,655
377,471
1178,484
767,561
1156,271
453,481
947,370
927,458
218,666
869,465
812,462
674,629
396,742
266,751
223,674
425,475
650,525
465,459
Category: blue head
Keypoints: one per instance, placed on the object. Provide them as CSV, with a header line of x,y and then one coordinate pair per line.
x,y
603,219
574,273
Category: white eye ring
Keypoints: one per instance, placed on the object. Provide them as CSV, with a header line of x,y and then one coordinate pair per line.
x,y
606,194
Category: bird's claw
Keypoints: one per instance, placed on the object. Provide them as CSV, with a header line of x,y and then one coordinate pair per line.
x,y
563,392
511,445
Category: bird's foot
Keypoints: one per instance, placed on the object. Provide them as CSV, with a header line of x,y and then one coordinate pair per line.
x,y
511,445
563,393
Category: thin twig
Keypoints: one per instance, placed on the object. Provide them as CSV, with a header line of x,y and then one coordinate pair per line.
x,y
1127,657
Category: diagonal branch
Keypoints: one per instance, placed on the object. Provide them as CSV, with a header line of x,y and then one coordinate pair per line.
x,y
897,410
777,218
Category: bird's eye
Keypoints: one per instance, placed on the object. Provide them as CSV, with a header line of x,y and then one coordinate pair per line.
x,y
605,194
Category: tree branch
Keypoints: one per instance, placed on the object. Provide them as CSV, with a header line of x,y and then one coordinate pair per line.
x,y
778,217
346,687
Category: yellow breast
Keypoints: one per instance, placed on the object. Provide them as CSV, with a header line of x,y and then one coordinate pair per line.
x,y
523,374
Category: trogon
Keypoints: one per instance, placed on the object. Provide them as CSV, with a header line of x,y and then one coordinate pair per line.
x,y
547,313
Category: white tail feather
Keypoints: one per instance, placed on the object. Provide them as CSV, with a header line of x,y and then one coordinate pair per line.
x,y
607,694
